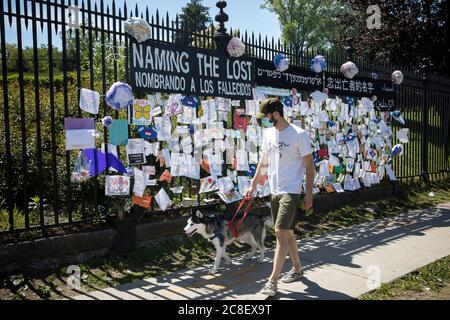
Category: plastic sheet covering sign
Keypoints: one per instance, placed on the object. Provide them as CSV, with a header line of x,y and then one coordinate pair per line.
x,y
294,77
157,67
384,90
306,80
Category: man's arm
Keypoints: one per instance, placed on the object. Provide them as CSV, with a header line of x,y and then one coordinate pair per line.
x,y
261,170
310,173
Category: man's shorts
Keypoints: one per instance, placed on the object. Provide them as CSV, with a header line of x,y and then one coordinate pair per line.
x,y
284,210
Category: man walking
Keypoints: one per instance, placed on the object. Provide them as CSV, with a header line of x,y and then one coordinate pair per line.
x,y
285,154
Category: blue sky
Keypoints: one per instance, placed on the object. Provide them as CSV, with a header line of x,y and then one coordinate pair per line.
x,y
243,14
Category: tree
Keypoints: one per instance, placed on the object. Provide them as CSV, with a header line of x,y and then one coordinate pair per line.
x,y
412,33
306,23
193,19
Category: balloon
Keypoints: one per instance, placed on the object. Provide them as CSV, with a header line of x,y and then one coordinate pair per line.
x,y
107,121
349,70
236,47
397,77
398,116
281,62
397,150
318,64
119,96
138,28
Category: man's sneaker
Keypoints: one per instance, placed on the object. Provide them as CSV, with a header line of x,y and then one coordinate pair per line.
x,y
292,276
270,289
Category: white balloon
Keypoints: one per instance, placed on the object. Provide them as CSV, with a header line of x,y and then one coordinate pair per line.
x,y
236,47
138,28
397,77
349,70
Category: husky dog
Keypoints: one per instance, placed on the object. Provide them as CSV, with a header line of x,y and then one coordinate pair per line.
x,y
214,229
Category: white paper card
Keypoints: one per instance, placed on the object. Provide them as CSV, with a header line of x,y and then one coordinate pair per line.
x,y
89,101
80,139
163,200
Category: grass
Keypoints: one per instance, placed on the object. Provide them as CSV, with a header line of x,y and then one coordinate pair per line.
x,y
176,253
19,219
430,283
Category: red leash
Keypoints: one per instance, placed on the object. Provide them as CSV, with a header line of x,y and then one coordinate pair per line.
x,y
231,225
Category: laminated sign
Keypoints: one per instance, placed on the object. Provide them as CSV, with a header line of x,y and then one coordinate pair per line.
x,y
80,134
136,151
140,113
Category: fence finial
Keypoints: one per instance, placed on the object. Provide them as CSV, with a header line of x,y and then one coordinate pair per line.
x,y
221,36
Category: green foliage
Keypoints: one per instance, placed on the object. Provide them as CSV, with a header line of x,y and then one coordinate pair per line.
x,y
307,23
193,19
19,219
43,291
412,34
16,282
35,152
27,63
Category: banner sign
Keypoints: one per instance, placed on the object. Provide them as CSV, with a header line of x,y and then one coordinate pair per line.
x,y
294,77
162,67
157,67
305,80
359,87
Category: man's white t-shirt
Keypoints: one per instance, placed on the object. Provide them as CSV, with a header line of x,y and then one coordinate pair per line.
x,y
285,151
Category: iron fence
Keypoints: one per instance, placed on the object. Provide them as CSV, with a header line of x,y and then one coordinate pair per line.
x,y
41,87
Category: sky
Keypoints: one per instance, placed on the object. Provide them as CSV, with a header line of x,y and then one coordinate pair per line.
x,y
243,15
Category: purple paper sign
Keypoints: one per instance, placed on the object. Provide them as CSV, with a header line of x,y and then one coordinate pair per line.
x,y
79,124
113,161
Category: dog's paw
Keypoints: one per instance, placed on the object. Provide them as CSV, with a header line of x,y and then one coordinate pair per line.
x,y
212,271
260,260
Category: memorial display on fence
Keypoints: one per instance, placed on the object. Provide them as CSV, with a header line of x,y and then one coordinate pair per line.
x,y
192,129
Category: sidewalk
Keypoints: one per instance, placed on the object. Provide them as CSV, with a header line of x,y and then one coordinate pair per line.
x,y
338,265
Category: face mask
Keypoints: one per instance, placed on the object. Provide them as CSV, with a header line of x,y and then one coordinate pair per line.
x,y
266,123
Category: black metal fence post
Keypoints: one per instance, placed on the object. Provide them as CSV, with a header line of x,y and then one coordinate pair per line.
x,y
425,128
221,36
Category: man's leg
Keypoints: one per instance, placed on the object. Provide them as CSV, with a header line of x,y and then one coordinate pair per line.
x,y
281,252
290,203
293,252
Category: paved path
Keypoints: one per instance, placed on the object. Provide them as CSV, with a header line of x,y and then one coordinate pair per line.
x,y
339,265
